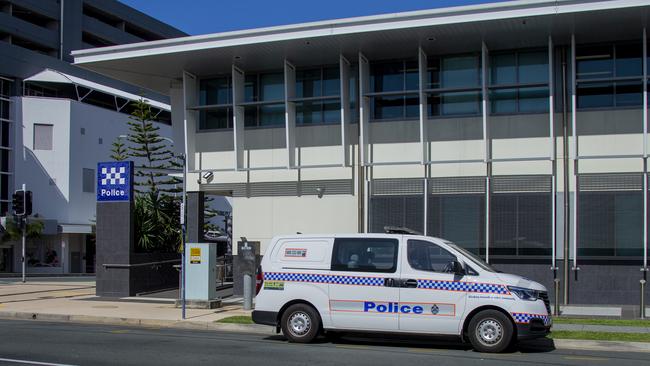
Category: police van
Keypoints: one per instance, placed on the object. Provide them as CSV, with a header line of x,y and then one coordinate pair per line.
x,y
394,283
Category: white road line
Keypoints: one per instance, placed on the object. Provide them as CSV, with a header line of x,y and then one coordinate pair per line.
x,y
27,362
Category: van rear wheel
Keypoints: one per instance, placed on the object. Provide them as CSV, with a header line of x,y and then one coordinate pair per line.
x,y
490,331
300,323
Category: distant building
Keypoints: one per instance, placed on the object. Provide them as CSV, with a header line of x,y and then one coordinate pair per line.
x,y
58,120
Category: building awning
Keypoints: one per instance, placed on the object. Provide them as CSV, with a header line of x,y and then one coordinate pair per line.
x,y
75,229
53,76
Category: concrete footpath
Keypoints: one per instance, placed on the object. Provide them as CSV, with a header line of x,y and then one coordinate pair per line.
x,y
74,300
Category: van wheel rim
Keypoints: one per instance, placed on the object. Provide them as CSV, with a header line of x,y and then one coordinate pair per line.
x,y
299,324
489,332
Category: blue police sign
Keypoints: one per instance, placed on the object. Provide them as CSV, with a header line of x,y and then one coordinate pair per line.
x,y
114,181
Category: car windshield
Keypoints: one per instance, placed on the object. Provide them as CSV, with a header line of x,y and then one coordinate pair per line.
x,y
473,257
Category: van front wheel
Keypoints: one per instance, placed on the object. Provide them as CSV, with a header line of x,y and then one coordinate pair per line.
x,y
300,323
490,331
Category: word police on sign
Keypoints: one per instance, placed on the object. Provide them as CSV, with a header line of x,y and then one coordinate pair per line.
x,y
114,181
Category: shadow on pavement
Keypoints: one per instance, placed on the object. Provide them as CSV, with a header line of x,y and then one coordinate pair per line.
x,y
541,345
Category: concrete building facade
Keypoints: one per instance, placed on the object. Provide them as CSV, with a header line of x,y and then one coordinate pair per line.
x,y
515,129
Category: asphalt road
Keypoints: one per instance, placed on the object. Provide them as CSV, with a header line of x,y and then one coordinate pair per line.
x,y
42,343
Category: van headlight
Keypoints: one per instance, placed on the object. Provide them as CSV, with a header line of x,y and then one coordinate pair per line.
x,y
524,293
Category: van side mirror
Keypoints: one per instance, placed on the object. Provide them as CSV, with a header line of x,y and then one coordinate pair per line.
x,y
457,268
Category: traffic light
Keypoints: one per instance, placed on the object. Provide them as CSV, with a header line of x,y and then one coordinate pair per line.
x,y
21,201
18,203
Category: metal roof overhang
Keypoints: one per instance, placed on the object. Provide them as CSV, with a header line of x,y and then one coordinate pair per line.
x,y
505,25
53,76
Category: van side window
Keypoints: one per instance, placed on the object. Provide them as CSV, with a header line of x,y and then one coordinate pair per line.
x,y
427,256
365,255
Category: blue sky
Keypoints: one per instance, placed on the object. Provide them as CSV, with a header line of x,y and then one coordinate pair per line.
x,y
210,16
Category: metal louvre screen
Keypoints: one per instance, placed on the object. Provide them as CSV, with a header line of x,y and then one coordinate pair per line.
x,y
396,187
522,183
610,182
396,202
456,185
610,215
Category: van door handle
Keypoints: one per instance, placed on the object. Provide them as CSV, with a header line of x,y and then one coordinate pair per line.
x,y
410,283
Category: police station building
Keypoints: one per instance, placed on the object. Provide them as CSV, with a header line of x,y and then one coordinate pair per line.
x,y
516,129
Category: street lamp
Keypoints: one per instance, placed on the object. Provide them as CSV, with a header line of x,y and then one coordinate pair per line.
x,y
182,220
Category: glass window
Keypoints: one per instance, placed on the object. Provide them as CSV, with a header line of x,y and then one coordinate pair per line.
x,y
271,115
460,103
609,62
594,62
427,256
365,255
215,119
250,88
331,81
460,71
532,67
308,83
88,180
215,91
387,77
610,223
43,136
271,87
318,112
504,69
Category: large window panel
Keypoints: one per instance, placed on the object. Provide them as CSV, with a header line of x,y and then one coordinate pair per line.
x,y
513,76
402,211
459,218
610,224
271,87
399,79
215,119
520,224
271,115
609,76
460,71
215,91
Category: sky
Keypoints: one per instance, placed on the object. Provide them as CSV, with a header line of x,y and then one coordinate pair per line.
x,y
212,16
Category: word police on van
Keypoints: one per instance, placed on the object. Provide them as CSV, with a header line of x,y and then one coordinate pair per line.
x,y
394,283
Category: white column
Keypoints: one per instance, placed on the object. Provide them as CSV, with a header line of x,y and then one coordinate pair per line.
x,y
364,109
426,204
488,152
190,120
64,258
238,115
575,154
290,112
552,152
344,75
424,132
645,150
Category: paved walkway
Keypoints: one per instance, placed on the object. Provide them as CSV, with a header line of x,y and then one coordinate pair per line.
x,y
76,300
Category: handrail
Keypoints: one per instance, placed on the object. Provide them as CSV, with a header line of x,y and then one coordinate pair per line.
x,y
139,264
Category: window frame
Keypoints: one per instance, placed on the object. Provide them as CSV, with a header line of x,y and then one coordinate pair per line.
x,y
517,86
408,257
339,268
92,180
612,81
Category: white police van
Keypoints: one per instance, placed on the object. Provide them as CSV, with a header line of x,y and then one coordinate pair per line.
x,y
394,283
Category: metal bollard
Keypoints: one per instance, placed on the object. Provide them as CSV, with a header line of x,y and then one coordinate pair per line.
x,y
557,297
642,312
248,292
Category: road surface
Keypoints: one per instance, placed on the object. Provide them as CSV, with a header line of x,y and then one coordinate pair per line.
x,y
44,343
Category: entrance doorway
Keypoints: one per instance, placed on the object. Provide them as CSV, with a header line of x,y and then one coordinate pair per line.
x,y
90,253
6,259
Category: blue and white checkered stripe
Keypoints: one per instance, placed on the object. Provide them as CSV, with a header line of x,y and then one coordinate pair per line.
x,y
525,318
321,278
463,286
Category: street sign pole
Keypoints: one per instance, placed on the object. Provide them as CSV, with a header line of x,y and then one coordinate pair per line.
x,y
23,224
183,202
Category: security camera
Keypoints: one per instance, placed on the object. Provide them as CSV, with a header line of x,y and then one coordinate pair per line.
x,y
208,177
320,191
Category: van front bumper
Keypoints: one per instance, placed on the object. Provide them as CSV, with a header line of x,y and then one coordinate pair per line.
x,y
265,317
532,330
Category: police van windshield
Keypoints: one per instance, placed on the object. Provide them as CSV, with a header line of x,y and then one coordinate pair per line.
x,y
473,257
